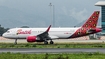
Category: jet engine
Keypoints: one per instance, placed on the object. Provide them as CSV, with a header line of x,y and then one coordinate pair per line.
x,y
31,38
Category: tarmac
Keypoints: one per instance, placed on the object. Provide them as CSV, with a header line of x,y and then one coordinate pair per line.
x,y
74,40
52,50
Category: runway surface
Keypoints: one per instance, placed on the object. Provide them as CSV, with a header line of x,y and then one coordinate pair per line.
x,y
50,50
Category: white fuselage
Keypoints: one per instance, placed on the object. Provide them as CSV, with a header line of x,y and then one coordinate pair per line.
x,y
22,33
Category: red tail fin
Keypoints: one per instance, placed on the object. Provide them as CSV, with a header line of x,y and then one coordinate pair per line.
x,y
92,21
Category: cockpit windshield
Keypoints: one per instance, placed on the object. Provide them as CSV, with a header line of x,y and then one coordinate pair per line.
x,y
8,32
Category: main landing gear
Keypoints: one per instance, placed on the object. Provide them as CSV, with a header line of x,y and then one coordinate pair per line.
x,y
46,42
51,42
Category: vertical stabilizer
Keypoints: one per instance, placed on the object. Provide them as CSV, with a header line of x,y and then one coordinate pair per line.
x,y
89,27
92,21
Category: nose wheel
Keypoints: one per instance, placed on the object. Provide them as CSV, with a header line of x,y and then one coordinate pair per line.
x,y
15,41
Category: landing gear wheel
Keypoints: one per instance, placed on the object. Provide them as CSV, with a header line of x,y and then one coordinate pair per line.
x,y
51,42
45,42
15,41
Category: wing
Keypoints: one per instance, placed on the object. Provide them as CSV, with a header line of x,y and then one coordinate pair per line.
x,y
45,34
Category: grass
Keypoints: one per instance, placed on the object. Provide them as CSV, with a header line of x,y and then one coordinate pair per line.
x,y
9,55
81,55
57,45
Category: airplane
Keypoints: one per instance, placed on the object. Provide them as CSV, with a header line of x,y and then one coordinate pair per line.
x,y
43,35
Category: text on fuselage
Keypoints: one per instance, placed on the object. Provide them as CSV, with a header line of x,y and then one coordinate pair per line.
x,y
20,31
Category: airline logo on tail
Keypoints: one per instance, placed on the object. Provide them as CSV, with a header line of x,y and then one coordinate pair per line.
x,y
89,27
92,21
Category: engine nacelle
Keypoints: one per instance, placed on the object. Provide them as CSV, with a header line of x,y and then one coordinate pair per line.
x,y
31,38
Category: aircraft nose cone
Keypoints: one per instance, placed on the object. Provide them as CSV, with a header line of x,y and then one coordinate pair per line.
x,y
4,35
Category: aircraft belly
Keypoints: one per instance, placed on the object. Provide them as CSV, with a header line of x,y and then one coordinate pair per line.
x,y
64,36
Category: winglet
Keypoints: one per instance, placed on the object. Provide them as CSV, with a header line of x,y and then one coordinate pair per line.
x,y
48,29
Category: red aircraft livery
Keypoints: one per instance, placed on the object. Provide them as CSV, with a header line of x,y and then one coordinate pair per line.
x,y
20,31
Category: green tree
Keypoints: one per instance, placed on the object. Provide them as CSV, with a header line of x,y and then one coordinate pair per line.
x,y
2,30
